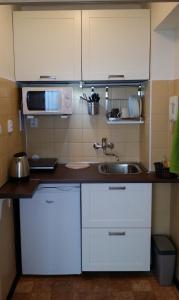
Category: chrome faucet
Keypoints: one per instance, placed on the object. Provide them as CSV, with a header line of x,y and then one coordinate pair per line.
x,y
104,146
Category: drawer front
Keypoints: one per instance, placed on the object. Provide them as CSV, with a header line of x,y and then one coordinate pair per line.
x,y
116,205
116,249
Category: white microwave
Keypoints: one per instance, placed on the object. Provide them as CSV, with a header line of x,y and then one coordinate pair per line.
x,y
47,100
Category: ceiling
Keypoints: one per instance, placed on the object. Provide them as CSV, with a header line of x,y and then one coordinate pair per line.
x,y
74,1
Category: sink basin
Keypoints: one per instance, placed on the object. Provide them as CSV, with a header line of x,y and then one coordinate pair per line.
x,y
119,168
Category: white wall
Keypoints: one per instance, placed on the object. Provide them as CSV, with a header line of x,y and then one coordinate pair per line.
x,y
162,49
176,65
6,43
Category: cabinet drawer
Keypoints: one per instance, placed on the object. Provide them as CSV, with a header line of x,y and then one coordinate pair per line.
x,y
116,205
117,249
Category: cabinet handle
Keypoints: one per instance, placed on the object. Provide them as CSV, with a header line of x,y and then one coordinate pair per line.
x,y
47,77
117,187
49,201
119,233
115,76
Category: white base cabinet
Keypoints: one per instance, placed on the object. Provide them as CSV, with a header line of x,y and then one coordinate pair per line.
x,y
115,249
116,227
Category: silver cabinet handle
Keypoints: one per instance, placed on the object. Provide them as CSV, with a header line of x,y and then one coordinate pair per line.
x,y
119,233
47,77
62,188
116,76
117,188
49,201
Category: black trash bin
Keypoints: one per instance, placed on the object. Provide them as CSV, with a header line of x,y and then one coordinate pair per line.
x,y
164,256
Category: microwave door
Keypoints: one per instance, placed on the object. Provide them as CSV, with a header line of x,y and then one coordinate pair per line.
x,y
44,101
36,100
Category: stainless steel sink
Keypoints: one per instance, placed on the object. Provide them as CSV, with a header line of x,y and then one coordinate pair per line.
x,y
119,168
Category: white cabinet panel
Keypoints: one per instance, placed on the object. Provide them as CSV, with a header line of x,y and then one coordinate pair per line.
x,y
116,226
51,230
115,44
47,43
116,205
116,249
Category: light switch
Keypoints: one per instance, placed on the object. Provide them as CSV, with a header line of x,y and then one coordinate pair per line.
x,y
10,127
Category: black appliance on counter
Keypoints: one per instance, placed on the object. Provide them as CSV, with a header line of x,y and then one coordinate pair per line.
x,y
44,164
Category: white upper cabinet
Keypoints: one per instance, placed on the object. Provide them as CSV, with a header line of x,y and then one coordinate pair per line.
x,y
47,45
115,44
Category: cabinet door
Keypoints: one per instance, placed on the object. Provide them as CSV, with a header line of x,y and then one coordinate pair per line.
x,y
116,205
115,44
50,231
116,249
47,45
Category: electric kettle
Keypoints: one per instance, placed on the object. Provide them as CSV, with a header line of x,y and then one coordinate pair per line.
x,y
19,168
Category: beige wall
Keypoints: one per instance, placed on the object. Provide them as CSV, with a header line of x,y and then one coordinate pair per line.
x,y
161,129
160,125
175,202
161,11
145,130
9,144
72,139
6,44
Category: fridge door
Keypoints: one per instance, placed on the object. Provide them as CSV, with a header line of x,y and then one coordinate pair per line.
x,y
51,230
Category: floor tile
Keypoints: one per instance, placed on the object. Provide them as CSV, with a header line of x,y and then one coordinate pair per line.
x,y
94,286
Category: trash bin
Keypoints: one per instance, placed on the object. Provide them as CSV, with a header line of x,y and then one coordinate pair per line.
x,y
164,256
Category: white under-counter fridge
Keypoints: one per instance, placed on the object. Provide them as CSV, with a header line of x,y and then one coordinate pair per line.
x,y
51,230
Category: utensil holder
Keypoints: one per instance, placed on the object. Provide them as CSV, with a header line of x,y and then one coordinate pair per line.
x,y
162,172
93,108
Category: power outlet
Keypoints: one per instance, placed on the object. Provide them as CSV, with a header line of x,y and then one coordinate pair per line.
x,y
34,123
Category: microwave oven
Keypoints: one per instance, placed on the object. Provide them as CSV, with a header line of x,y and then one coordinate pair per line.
x,y
47,100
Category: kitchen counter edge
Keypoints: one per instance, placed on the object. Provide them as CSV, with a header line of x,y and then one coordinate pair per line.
x,y
62,174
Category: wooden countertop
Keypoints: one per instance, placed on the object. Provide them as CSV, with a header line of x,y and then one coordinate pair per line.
x,y
65,175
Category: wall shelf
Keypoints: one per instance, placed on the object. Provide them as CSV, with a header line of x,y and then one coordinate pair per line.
x,y
113,121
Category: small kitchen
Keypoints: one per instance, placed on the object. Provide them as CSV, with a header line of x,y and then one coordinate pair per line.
x,y
117,98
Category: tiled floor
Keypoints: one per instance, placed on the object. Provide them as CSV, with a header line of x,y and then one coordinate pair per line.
x,y
95,286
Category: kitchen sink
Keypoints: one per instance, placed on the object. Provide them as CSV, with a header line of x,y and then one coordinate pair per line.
x,y
119,168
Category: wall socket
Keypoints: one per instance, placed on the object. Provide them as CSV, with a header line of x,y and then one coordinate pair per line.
x,y
34,122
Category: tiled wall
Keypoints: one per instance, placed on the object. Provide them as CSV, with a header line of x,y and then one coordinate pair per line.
x,y
160,125
9,144
145,129
161,90
72,139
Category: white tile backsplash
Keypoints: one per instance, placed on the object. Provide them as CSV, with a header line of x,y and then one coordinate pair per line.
x,y
72,139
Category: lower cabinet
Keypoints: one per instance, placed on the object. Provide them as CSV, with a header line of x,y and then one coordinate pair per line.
x,y
116,227
114,249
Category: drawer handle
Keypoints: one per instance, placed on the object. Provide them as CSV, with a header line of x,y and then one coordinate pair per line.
x,y
116,76
113,188
119,233
47,77
49,201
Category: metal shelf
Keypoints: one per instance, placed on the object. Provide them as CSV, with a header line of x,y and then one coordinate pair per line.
x,y
114,121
